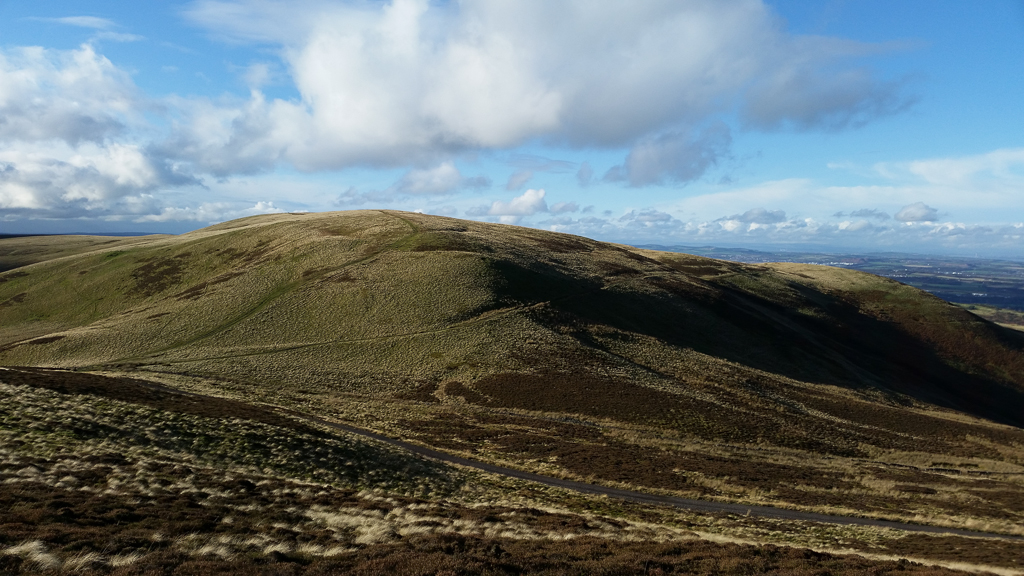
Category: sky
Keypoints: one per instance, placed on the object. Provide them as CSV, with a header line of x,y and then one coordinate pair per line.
x,y
835,126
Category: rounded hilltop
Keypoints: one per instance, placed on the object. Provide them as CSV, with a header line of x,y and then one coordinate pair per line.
x,y
376,300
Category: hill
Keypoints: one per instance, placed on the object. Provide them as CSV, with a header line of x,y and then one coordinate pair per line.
x,y
793,385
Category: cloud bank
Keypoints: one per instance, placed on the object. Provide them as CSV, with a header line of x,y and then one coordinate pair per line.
x,y
416,86
529,203
67,143
414,82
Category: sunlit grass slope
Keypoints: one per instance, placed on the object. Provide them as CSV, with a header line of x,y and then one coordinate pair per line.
x,y
25,250
561,354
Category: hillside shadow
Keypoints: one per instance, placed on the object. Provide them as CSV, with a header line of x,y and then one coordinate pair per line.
x,y
847,348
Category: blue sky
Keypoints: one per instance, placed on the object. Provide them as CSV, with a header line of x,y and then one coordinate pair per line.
x,y
833,126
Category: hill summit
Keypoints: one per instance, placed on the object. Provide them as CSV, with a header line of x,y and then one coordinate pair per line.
x,y
378,301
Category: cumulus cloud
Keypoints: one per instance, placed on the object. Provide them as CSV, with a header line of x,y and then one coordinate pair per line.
x,y
652,226
529,203
864,213
445,178
672,158
854,226
518,179
257,75
66,142
71,96
441,180
87,176
917,212
210,212
564,207
758,216
411,81
647,218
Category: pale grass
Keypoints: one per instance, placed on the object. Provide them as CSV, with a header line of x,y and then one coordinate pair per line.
x,y
217,549
280,547
952,565
375,534
310,549
337,550
36,552
83,561
125,559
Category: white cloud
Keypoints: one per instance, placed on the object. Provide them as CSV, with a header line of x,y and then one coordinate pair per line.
x,y
759,216
412,82
56,178
210,212
864,213
518,179
83,22
72,96
652,226
257,75
648,218
103,27
529,203
854,226
441,180
917,212
67,136
1004,164
260,21
673,158
445,178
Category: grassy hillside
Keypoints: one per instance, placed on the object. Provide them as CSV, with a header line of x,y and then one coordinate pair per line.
x,y
24,250
1002,316
794,385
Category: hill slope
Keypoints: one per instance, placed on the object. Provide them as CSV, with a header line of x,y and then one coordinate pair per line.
x,y
790,384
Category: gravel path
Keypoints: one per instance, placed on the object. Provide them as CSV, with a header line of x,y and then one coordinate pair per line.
x,y
643,498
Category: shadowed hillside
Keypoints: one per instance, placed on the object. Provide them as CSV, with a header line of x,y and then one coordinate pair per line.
x,y
797,385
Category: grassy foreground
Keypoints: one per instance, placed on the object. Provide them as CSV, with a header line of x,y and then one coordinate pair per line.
x,y
89,483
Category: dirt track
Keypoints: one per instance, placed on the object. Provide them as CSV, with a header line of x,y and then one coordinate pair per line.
x,y
640,497
127,389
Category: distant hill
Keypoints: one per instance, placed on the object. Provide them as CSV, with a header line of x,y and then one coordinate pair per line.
x,y
791,384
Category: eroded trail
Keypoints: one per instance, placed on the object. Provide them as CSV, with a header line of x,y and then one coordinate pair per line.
x,y
121,388
656,499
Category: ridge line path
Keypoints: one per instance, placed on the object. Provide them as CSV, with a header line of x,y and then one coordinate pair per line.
x,y
657,499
